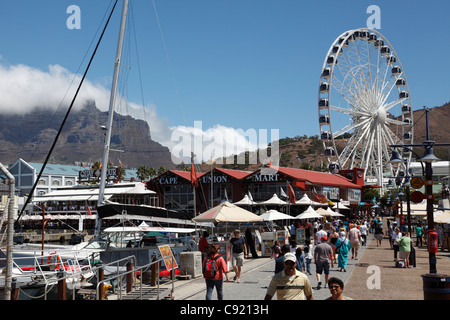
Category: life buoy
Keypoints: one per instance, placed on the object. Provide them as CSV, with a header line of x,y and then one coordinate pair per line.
x,y
54,261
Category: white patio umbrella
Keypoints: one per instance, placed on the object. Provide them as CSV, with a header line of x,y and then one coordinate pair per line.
x,y
323,212
274,201
275,215
333,213
309,213
341,206
246,201
227,212
305,200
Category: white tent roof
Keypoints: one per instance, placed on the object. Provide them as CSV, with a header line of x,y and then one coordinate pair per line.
x,y
273,201
227,212
309,213
245,201
340,206
444,217
305,200
333,213
275,215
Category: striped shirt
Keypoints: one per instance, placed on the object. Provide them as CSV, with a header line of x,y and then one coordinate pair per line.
x,y
295,287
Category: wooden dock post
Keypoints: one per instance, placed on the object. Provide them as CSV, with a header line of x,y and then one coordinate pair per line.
x,y
129,277
101,277
154,272
61,285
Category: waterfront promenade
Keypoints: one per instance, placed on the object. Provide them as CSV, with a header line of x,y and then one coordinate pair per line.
x,y
371,277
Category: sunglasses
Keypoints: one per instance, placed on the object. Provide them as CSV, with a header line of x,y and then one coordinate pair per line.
x,y
289,263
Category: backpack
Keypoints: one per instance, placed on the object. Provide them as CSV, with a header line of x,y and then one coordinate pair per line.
x,y
210,268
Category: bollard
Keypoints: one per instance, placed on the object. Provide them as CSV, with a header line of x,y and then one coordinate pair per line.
x,y
101,277
14,289
154,272
129,277
61,285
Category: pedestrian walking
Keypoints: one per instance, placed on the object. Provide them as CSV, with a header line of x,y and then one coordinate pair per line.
x,y
214,267
395,236
238,251
363,229
354,236
279,263
419,233
250,242
276,249
300,259
289,284
322,255
308,250
378,227
319,235
336,287
343,248
405,249
203,244
332,240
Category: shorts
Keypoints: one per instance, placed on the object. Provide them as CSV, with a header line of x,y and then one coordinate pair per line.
x,y
404,254
323,267
355,245
237,259
379,237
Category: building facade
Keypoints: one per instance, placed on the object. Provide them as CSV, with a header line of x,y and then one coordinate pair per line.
x,y
175,189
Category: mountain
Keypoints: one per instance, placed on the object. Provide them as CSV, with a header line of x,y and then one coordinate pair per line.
x,y
30,136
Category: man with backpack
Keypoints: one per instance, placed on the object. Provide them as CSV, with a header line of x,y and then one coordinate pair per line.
x,y
214,267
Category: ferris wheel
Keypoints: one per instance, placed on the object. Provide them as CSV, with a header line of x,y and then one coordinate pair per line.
x,y
364,105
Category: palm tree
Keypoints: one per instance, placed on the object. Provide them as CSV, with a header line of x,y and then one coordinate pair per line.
x,y
161,170
143,173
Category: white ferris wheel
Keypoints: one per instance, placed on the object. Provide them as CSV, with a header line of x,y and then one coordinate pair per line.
x,y
364,105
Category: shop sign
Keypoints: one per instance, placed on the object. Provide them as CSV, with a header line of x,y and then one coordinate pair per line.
x,y
216,179
354,195
266,177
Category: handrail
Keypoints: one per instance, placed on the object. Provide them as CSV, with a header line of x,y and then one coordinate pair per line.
x,y
119,278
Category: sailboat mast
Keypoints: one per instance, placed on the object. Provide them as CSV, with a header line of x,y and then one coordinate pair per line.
x,y
106,148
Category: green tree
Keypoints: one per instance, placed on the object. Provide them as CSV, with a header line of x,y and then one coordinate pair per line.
x,y
143,173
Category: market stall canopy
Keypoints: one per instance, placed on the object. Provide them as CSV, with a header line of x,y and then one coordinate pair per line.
x,y
275,215
309,213
444,217
274,201
334,214
340,206
227,212
416,209
305,200
323,212
245,201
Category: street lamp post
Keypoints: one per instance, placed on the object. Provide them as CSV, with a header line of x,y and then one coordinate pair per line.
x,y
428,158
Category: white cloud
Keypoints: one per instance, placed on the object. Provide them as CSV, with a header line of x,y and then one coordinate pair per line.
x,y
23,88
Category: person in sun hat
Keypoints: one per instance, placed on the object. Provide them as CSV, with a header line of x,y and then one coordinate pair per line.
x,y
323,255
289,284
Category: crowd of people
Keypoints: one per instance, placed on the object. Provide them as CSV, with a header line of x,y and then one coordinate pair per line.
x,y
326,244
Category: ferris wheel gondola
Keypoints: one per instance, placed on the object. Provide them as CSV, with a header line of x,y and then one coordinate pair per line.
x,y
364,104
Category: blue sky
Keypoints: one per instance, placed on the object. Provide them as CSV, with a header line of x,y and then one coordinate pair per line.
x,y
248,64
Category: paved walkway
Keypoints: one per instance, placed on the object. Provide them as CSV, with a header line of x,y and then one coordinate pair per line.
x,y
371,277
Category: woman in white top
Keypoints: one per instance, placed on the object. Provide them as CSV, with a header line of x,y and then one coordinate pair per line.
x,y
395,244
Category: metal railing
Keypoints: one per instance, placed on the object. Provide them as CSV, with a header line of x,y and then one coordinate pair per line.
x,y
133,274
